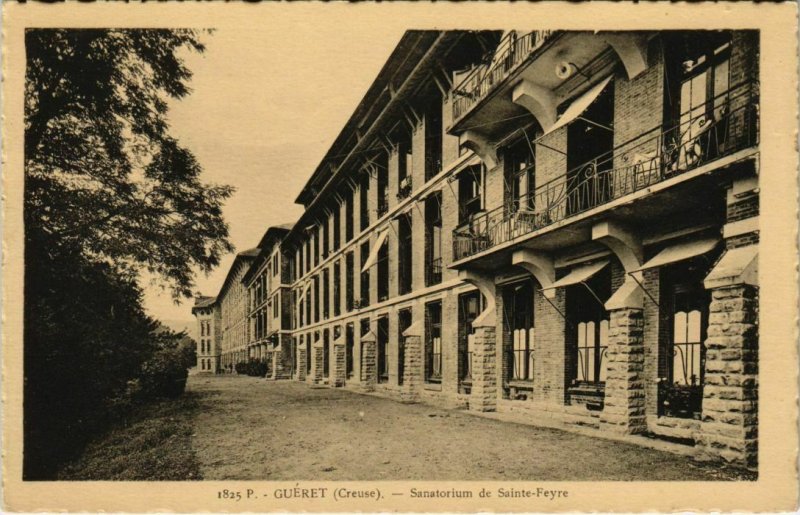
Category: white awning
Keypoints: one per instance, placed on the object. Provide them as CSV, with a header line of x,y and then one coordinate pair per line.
x,y
578,275
681,251
579,105
303,292
373,253
737,266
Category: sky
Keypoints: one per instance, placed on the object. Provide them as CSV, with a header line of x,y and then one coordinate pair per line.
x,y
263,111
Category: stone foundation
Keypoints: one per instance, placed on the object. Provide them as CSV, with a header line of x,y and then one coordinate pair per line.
x,y
483,396
301,363
369,362
729,426
317,362
412,369
339,363
624,403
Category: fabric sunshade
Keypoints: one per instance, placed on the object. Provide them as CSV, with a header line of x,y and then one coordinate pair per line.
x,y
373,253
579,105
681,251
739,265
578,275
303,292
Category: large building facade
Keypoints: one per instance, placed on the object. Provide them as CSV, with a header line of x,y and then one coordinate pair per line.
x,y
561,224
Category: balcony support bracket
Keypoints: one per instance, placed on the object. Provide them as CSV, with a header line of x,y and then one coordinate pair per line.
x,y
480,144
485,284
627,246
539,265
539,100
632,51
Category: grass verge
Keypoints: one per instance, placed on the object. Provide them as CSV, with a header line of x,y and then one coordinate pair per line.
x,y
154,444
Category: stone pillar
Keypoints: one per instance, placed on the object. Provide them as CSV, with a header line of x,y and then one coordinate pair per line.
x,y
413,363
624,404
369,361
729,426
483,396
301,361
339,375
317,362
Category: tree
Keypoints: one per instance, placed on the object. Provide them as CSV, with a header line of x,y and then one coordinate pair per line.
x,y
109,194
101,169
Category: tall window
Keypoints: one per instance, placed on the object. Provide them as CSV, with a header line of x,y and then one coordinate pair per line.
x,y
383,346
348,216
383,272
519,176
470,193
349,276
522,331
403,323
326,298
349,335
405,253
433,342
404,160
590,142
433,239
337,227
316,237
337,279
324,237
588,323
364,276
308,255
363,191
383,184
683,364
433,133
697,96
469,307
316,299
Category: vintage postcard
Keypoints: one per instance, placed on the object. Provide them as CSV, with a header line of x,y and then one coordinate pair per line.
x,y
495,257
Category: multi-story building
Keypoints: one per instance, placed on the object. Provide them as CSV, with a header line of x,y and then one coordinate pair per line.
x,y
560,224
209,335
233,307
269,305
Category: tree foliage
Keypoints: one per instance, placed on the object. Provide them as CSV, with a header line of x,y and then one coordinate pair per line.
x,y
109,194
102,171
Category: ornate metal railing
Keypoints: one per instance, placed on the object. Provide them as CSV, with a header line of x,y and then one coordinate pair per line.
x,y
433,272
730,124
512,50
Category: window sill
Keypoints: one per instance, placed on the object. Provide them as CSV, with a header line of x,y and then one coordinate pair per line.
x,y
433,387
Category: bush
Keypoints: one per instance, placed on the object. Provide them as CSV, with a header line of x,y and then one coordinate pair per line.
x,y
252,367
164,375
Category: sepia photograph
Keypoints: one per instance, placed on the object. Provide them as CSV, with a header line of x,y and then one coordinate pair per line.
x,y
418,262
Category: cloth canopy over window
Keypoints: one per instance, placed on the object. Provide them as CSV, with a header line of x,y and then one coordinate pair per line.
x,y
578,275
579,105
373,253
680,252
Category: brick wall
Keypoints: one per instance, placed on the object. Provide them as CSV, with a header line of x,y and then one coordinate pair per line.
x,y
638,105
550,350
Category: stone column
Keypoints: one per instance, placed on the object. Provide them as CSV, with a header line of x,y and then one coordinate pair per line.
x,y
369,361
317,350
483,396
413,363
301,360
624,404
339,375
729,427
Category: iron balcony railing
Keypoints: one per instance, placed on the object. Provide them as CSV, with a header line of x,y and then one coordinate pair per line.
x,y
433,272
727,124
512,50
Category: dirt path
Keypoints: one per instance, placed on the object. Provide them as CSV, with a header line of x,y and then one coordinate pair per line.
x,y
248,428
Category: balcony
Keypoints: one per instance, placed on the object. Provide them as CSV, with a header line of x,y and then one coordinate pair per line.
x,y
513,49
653,157
433,272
